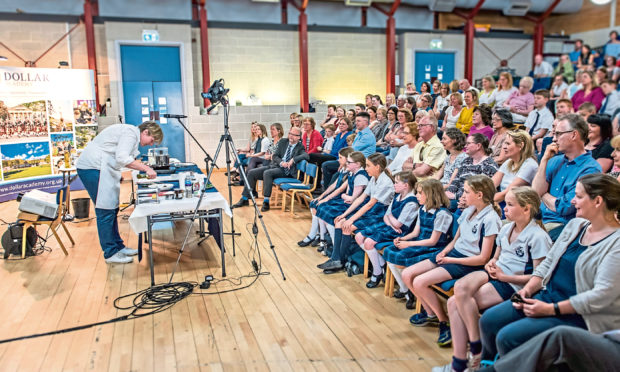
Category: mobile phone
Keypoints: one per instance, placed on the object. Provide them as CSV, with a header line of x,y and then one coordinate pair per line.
x,y
516,298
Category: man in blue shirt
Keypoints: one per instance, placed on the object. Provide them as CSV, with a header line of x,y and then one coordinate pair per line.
x,y
557,175
365,142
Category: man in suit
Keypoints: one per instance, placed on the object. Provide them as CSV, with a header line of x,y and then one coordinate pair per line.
x,y
288,153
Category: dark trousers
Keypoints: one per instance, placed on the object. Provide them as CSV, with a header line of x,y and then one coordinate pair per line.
x,y
503,328
329,168
256,162
319,158
107,221
562,347
266,174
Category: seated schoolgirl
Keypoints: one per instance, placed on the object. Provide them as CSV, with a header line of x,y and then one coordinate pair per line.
x,y
396,222
469,251
365,210
430,235
521,246
576,285
334,190
332,206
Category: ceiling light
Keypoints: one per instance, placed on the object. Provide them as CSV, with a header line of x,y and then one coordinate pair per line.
x,y
3,58
600,2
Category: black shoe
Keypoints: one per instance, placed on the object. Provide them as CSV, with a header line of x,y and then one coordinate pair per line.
x,y
304,243
374,281
332,266
265,207
232,173
410,300
398,294
316,241
321,246
241,203
322,265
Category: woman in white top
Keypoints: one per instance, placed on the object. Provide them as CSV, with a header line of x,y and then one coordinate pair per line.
x,y
559,87
442,100
410,135
520,166
488,91
504,88
99,167
574,87
453,112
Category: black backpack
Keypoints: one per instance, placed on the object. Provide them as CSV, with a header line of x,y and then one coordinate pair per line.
x,y
12,240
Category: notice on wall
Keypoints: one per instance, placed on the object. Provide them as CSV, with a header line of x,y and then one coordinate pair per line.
x,y
44,113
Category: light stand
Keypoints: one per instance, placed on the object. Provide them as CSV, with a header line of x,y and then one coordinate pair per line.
x,y
227,141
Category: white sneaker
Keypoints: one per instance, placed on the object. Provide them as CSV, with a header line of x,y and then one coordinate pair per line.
x,y
473,361
446,368
129,252
119,257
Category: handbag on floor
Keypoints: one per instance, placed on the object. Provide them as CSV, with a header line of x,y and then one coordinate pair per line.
x,y
12,240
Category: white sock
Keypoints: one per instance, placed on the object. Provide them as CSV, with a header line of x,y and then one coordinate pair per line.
x,y
373,255
322,228
332,231
398,276
314,228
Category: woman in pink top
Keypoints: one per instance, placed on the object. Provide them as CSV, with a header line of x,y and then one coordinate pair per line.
x,y
590,92
481,121
521,102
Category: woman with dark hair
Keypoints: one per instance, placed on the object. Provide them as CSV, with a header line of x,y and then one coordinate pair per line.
x,y
586,57
453,142
481,120
577,283
425,102
502,122
599,134
613,71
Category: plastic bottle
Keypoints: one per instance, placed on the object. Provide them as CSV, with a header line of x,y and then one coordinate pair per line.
x,y
188,185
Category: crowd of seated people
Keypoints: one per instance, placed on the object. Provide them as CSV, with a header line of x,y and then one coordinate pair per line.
x,y
508,195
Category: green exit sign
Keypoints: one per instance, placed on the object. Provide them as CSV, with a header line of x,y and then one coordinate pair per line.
x,y
436,44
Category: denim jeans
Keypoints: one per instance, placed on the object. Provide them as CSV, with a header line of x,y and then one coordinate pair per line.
x,y
107,222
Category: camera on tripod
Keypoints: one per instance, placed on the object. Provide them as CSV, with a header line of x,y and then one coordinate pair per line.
x,y
216,93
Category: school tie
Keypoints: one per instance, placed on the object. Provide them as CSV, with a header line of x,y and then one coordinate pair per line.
x,y
535,123
602,110
287,154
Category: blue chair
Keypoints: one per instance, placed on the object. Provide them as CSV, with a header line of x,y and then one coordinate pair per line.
x,y
277,183
541,83
306,187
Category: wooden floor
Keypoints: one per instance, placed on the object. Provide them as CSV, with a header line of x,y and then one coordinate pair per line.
x,y
309,321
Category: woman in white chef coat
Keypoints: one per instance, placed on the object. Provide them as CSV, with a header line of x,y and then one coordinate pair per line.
x,y
99,167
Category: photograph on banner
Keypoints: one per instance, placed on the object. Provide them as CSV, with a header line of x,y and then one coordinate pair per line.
x,y
22,160
83,135
22,120
84,112
59,162
60,114
61,143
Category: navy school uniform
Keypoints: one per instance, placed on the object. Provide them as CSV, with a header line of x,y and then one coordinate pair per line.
x,y
331,209
517,258
472,231
381,189
342,176
405,210
429,221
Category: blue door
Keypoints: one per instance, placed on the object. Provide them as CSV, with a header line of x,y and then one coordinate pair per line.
x,y
434,65
152,87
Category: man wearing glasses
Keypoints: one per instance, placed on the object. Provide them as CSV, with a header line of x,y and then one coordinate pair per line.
x,y
557,175
283,164
428,155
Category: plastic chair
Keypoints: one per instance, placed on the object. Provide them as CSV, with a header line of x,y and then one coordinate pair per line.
x,y
277,183
306,188
32,219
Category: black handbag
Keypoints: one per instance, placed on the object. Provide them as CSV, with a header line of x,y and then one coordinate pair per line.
x,y
12,240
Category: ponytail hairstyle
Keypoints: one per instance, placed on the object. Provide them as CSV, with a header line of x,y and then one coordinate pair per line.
x,y
484,184
407,177
605,186
481,139
380,160
526,196
358,157
435,194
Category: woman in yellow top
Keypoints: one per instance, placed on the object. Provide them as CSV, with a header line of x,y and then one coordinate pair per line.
x,y
466,119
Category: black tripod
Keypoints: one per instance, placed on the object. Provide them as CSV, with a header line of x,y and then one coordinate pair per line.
x,y
227,141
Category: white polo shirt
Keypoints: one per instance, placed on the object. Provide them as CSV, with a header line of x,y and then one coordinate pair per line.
x,y
470,238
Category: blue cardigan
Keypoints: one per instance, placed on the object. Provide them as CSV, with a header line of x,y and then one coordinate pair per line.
x,y
340,141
